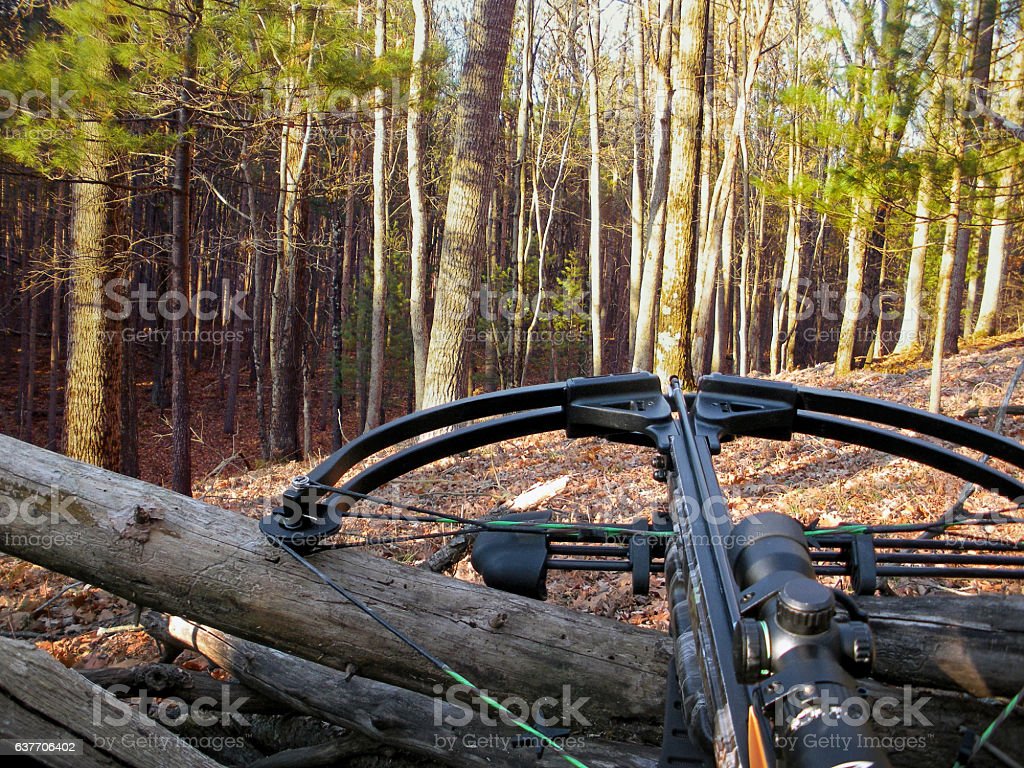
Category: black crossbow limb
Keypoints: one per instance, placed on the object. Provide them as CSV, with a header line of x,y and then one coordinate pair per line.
x,y
764,669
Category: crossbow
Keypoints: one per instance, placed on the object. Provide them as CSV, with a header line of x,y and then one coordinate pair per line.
x,y
764,665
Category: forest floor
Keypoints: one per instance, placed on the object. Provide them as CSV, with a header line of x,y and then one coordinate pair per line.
x,y
810,478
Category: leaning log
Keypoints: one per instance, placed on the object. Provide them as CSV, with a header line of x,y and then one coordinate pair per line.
x,y
924,731
425,725
184,557
181,556
41,699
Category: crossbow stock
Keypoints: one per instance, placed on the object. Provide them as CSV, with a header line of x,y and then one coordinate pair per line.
x,y
764,667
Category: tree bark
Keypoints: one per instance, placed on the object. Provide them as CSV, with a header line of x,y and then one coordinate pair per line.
x,y
945,288
92,406
853,309
982,34
593,44
288,294
181,230
417,203
672,344
1000,225
181,556
385,713
995,266
522,232
910,327
40,698
654,233
476,132
637,213
375,388
715,258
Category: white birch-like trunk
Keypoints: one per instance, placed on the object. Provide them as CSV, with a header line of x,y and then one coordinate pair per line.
x,y
417,202
593,37
380,225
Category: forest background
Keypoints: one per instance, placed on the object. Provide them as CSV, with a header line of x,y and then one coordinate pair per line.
x,y
310,217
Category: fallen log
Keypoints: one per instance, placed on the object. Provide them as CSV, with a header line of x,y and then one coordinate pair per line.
x,y
329,753
168,680
184,557
425,725
971,643
989,410
919,725
929,725
41,699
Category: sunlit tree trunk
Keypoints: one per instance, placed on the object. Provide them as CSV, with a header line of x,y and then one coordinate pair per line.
x,y
853,297
945,287
743,316
1000,226
476,129
380,228
522,232
654,235
672,343
910,327
795,244
593,43
636,217
714,257
995,267
982,33
93,400
417,202
723,297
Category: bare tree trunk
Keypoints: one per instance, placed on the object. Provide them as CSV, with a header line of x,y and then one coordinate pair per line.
x,y
385,713
258,300
979,255
92,405
181,255
522,232
672,344
1000,225
476,132
288,295
945,288
636,209
910,327
982,33
995,266
207,564
714,259
743,329
375,389
41,697
654,252
795,245
720,361
856,255
417,203
593,45
56,311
